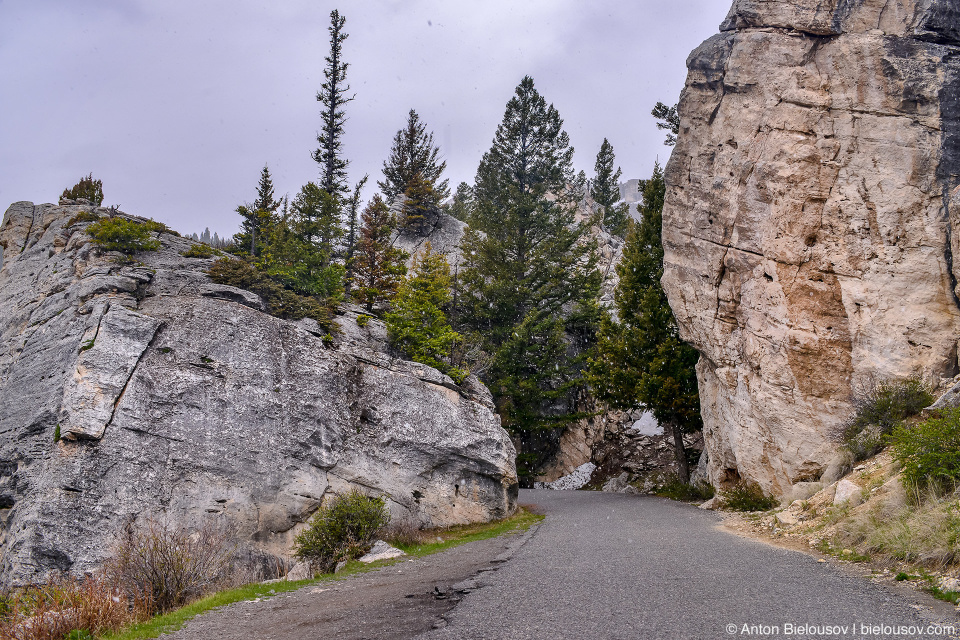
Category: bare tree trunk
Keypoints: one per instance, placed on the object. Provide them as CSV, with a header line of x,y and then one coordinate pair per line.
x,y
683,468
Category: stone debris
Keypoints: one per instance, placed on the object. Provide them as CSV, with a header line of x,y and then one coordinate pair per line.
x,y
381,551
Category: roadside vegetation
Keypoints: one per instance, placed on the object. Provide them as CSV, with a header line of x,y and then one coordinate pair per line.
x,y
161,576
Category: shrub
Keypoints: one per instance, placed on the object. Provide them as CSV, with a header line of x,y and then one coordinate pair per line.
x,y
405,534
68,608
280,302
169,566
200,251
343,530
119,234
363,320
87,188
929,452
676,489
83,216
159,227
746,496
880,408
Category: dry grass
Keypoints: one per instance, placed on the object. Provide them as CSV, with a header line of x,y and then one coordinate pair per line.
x,y
406,533
66,604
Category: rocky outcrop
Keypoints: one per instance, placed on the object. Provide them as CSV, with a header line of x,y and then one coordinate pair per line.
x,y
811,220
177,398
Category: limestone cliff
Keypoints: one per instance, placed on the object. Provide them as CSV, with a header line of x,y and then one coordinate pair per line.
x,y
177,398
811,220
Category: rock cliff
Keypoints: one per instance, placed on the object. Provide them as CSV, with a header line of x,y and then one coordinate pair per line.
x,y
177,398
811,221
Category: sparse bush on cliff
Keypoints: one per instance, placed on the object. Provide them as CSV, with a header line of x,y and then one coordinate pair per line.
x,y
201,251
87,188
281,302
83,216
746,496
343,530
880,408
120,234
167,566
929,453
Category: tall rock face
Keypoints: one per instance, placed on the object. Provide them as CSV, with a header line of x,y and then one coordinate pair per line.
x,y
178,399
812,220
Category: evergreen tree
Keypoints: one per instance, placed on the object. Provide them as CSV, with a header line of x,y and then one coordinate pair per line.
x,y
416,323
529,268
669,120
317,215
257,216
641,361
333,97
414,156
420,208
605,191
377,265
87,188
462,204
352,228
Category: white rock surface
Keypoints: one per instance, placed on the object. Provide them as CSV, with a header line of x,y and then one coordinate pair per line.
x,y
848,492
181,401
812,220
574,480
381,551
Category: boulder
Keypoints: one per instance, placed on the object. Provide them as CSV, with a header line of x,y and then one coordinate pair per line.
x,y
811,221
177,399
381,551
848,492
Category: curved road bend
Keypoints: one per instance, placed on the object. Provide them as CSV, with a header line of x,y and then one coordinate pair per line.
x,y
612,566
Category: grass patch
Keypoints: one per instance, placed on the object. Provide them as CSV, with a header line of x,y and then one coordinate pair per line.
x,y
746,497
683,492
449,537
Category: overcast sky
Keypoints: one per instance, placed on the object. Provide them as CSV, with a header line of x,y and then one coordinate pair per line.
x,y
176,105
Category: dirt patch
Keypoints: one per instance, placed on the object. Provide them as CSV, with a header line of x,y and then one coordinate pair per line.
x,y
391,603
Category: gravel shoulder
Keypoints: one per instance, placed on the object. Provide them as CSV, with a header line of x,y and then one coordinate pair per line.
x,y
391,603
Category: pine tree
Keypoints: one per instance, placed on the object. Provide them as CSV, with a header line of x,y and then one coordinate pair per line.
x,y
641,361
669,121
416,323
377,266
530,274
317,214
333,96
413,156
257,216
265,200
87,188
605,191
462,204
420,207
352,228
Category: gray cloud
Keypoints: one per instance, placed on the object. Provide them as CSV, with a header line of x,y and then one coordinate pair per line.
x,y
177,105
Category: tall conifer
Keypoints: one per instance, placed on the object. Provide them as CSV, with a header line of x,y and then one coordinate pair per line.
x,y
333,96
605,191
377,266
414,156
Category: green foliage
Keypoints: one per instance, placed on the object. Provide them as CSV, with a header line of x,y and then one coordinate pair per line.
x,y
120,234
280,301
159,227
669,121
352,230
677,489
86,346
879,409
257,216
414,156
529,282
463,203
333,96
56,434
83,216
605,191
363,320
641,360
929,451
420,205
416,324
343,530
87,188
200,250
746,497
377,265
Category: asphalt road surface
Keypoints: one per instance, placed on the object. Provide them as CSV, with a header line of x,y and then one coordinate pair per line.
x,y
616,566
604,566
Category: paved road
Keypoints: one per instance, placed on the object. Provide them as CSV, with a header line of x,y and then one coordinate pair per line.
x,y
612,566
